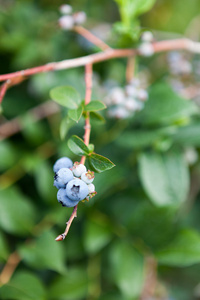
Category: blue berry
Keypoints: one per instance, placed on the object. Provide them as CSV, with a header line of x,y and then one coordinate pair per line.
x,y
77,189
63,162
64,200
62,177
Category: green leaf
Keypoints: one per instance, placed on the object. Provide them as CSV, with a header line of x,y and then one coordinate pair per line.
x,y
75,114
165,177
65,125
91,148
95,105
43,176
72,286
99,163
183,251
188,135
97,117
96,236
44,253
165,106
23,286
77,146
3,248
17,213
66,96
127,269
136,139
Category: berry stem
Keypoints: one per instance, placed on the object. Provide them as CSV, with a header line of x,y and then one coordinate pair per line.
x,y
62,236
12,263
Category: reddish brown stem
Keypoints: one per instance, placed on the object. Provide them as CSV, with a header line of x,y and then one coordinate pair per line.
x,y
130,68
91,38
62,236
12,263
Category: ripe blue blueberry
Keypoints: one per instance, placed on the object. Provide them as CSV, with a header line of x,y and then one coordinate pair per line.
x,y
77,189
62,177
63,162
64,200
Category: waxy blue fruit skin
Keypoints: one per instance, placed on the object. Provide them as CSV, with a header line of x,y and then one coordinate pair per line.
x,y
77,189
63,162
64,200
62,177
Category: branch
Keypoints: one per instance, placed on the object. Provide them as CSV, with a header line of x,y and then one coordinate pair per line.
x,y
62,236
39,112
91,38
88,93
9,268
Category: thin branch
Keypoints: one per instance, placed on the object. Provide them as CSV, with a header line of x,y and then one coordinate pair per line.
x,y
150,280
62,236
130,68
91,38
39,112
178,44
9,268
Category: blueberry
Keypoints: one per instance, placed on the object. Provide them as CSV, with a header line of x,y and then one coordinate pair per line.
x,y
62,177
64,200
63,162
77,189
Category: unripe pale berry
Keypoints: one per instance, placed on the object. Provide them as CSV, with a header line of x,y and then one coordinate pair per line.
x,y
78,169
65,9
80,17
66,22
91,188
87,177
146,49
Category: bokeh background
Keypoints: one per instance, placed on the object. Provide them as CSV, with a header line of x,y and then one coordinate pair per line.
x,y
124,241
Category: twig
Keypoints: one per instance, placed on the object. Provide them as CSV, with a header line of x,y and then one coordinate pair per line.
x,y
39,112
150,280
9,268
91,38
130,68
88,92
62,236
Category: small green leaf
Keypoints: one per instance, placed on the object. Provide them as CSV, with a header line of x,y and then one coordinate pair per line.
x,y
96,236
75,114
95,105
77,146
72,286
44,253
127,269
97,117
99,163
66,96
165,177
17,213
3,248
65,125
183,251
23,286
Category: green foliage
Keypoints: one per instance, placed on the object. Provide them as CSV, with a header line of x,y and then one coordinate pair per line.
x,y
148,205
165,177
66,96
182,251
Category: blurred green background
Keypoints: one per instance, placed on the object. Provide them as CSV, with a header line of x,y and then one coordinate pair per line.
x,y
141,230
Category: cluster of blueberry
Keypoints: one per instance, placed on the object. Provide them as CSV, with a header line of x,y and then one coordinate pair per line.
x,y
73,181
69,19
123,103
180,71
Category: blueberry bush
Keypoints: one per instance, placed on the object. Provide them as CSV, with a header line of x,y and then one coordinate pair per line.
x,y
99,150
